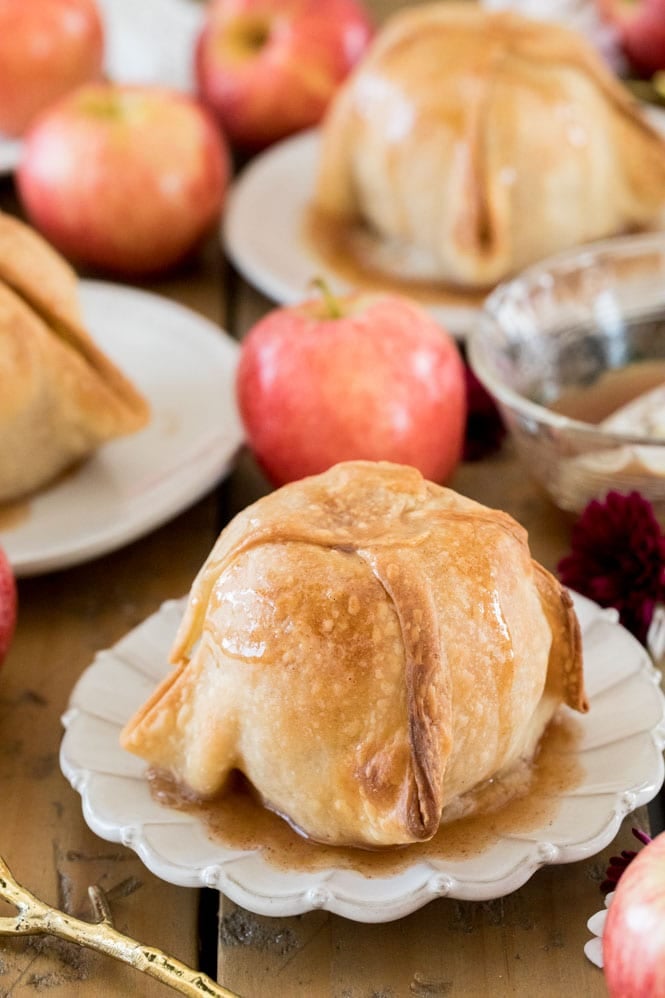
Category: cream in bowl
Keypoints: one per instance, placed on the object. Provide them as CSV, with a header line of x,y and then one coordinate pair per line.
x,y
573,351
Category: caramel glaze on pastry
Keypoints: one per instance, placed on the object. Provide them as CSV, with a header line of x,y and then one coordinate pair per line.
x,y
365,646
61,396
472,144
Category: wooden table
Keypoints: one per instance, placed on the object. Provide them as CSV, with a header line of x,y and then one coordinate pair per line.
x,y
526,944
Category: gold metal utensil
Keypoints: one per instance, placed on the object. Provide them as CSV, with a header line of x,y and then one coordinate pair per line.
x,y
35,917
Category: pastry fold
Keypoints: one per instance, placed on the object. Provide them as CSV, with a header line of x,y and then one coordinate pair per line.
x,y
365,646
61,396
472,143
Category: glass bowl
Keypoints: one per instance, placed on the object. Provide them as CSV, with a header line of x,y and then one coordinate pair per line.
x,y
569,341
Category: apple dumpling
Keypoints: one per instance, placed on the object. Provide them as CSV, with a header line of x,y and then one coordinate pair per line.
x,y
366,647
468,144
61,396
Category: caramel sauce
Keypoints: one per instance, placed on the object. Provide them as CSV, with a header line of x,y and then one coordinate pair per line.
x,y
522,802
13,514
613,389
355,253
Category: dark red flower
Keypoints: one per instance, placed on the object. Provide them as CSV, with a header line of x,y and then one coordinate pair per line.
x,y
484,427
618,558
618,864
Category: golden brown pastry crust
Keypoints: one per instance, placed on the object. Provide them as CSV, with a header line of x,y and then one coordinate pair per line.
x,y
480,142
61,396
366,647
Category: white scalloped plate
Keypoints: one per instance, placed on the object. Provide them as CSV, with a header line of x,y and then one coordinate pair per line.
x,y
620,751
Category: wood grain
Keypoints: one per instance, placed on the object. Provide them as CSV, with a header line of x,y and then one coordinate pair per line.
x,y
64,619
529,943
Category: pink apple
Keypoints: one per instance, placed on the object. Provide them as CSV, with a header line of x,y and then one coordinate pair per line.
x,y
634,933
641,29
361,377
46,49
124,178
268,68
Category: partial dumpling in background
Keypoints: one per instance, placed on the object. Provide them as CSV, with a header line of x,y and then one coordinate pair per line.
x,y
61,397
365,646
475,143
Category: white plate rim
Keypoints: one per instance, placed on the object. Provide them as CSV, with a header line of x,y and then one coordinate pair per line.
x,y
173,490
251,882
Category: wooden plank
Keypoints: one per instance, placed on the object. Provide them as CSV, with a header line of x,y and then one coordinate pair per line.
x,y
64,618
528,943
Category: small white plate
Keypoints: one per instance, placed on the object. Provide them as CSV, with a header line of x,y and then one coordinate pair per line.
x,y
185,366
620,753
262,227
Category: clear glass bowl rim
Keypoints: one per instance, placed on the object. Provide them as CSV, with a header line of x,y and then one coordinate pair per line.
x,y
579,257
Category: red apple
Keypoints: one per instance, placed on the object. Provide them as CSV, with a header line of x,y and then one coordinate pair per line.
x,y
268,68
361,377
634,933
641,29
124,178
8,604
46,49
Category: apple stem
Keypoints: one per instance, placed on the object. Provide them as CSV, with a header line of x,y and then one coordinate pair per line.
x,y
333,309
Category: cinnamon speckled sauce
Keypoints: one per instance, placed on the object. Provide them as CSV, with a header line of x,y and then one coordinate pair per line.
x,y
366,261
523,801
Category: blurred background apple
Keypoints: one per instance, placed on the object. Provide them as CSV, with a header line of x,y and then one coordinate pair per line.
x,y
124,178
641,29
268,68
46,49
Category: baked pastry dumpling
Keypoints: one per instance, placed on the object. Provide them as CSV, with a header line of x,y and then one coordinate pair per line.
x,y
61,396
472,143
365,646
